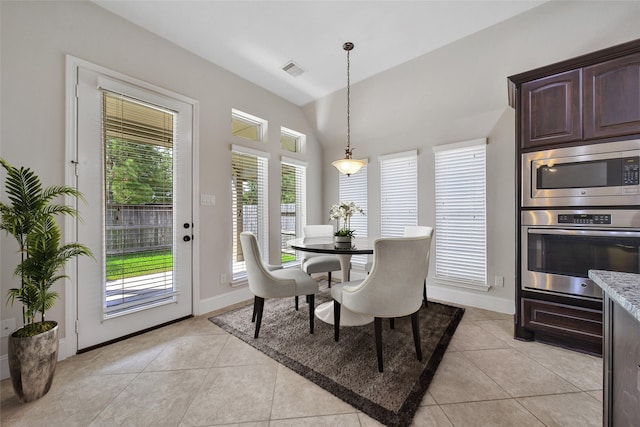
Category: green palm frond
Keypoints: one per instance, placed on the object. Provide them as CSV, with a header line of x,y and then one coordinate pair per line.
x,y
30,218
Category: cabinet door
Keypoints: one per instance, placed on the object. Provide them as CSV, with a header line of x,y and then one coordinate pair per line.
x,y
566,321
612,98
624,402
552,110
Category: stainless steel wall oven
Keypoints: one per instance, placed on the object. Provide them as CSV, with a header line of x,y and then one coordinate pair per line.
x,y
559,247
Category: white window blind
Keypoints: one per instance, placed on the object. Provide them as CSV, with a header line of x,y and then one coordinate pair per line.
x,y
398,192
353,188
293,206
139,156
460,174
249,189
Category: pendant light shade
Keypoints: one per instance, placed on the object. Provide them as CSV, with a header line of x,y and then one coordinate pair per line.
x,y
348,165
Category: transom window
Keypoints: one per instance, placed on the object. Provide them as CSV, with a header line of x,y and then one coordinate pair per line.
x,y
249,127
290,140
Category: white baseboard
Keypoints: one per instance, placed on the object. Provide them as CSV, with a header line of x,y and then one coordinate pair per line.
x,y
224,300
471,299
4,359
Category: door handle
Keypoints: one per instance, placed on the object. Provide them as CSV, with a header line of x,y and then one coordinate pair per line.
x,y
186,238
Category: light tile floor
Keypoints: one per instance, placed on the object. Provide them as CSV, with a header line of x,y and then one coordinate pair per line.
x,y
193,373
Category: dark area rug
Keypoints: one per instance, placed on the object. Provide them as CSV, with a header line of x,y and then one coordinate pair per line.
x,y
348,368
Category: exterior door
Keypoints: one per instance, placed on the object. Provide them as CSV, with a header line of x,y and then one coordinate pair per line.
x,y
134,167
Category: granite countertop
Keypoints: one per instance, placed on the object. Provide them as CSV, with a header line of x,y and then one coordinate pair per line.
x,y
623,288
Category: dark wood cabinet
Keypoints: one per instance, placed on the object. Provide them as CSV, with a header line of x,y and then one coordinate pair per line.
x,y
552,110
590,99
612,98
622,366
567,324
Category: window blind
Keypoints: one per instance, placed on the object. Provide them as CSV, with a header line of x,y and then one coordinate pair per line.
x,y
249,189
293,206
460,186
139,154
353,188
398,192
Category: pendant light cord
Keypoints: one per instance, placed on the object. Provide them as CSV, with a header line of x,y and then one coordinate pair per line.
x,y
348,103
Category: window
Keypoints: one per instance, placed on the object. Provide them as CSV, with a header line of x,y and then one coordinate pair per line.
x,y
249,189
293,203
247,126
138,192
398,192
461,214
353,188
291,140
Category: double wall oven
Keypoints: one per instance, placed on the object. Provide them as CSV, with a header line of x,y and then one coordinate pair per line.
x,y
579,212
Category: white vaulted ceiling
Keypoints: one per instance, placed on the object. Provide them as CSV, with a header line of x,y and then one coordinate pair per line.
x,y
255,39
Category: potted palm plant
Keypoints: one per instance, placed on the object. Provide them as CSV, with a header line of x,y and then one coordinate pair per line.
x,y
29,217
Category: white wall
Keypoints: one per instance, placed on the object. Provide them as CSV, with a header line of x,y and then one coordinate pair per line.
x,y
36,36
459,93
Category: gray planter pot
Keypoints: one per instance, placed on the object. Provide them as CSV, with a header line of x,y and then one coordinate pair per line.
x,y
32,364
342,242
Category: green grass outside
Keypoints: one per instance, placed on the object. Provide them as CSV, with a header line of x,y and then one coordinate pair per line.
x,y
287,258
133,265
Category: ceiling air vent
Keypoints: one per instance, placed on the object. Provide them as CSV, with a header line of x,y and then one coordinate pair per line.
x,y
293,69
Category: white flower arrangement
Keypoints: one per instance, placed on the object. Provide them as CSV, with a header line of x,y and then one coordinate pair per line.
x,y
344,211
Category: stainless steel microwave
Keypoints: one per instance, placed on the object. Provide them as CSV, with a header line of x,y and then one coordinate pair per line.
x,y
605,174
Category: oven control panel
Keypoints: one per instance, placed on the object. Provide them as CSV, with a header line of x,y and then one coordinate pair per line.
x,y
584,218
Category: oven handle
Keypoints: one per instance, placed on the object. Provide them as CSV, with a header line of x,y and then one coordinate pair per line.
x,y
596,233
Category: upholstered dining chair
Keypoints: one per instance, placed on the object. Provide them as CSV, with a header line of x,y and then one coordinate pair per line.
x,y
282,283
316,263
414,231
391,290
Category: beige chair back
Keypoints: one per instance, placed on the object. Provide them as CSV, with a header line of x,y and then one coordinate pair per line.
x,y
394,286
318,231
261,282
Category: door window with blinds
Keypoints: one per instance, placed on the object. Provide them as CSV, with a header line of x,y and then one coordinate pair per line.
x,y
353,188
249,189
398,192
460,186
293,202
139,152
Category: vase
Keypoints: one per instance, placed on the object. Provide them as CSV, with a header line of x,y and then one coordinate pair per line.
x,y
342,242
32,364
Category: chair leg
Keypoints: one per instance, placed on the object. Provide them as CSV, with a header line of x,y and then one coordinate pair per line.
x,y
392,323
336,320
253,315
329,279
312,304
415,325
260,307
377,324
424,293
296,302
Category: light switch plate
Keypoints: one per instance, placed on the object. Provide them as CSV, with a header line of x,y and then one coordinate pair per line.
x,y
207,199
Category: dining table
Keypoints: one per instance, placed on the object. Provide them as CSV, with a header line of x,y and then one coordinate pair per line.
x,y
327,246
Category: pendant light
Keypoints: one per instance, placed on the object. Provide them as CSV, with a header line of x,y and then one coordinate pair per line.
x,y
348,165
